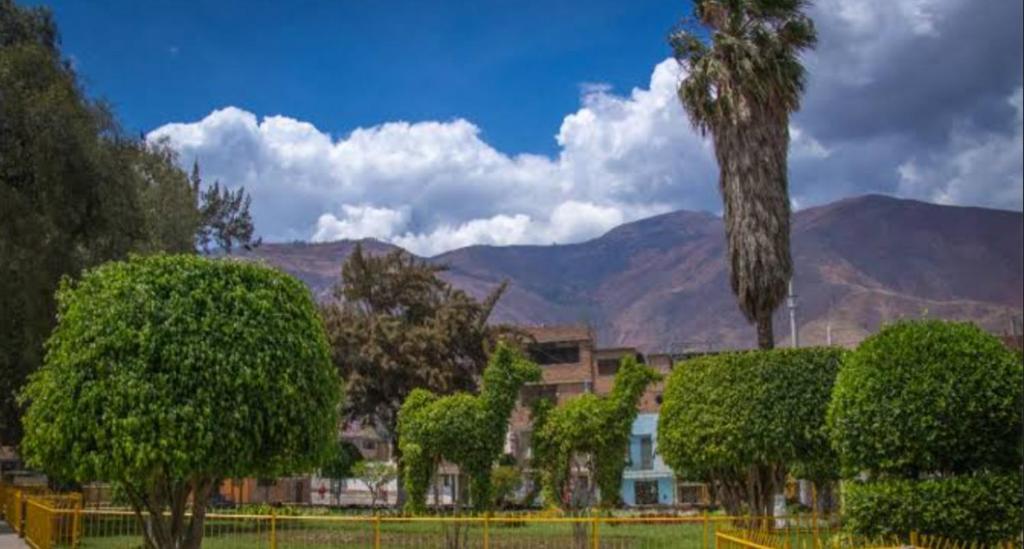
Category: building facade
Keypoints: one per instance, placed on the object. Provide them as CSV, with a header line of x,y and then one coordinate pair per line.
x,y
647,481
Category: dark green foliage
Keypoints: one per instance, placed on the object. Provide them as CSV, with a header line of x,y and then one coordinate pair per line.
x,y
168,373
928,397
593,427
985,508
926,417
742,421
74,192
505,481
464,429
63,205
340,461
395,325
224,218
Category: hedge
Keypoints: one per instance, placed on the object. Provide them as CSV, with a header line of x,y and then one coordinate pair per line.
x,y
736,410
982,508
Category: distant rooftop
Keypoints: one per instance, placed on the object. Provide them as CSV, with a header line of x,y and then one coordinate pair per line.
x,y
553,333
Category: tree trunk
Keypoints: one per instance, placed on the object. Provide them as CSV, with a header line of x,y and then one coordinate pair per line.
x,y
765,332
172,530
396,454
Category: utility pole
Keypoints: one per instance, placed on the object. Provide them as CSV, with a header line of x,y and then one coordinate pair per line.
x,y
791,305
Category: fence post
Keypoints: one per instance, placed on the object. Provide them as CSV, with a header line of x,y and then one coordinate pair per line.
x,y
595,538
76,524
376,532
487,531
273,528
19,513
814,514
913,538
704,536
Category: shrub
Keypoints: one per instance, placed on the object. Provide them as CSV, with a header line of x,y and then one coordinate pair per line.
x,y
928,397
983,508
167,373
727,415
505,482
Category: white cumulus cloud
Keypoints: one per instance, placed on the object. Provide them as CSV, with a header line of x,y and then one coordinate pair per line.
x,y
434,186
897,102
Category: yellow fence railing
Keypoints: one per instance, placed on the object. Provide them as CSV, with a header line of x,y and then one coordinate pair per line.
x,y
49,521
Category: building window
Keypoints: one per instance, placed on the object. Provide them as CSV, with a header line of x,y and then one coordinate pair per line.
x,y
646,453
369,445
555,353
607,366
645,492
658,399
533,393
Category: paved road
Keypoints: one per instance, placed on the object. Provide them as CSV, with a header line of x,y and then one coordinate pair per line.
x,y
8,539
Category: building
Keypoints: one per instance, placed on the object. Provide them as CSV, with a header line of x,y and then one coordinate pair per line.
x,y
572,364
647,480
287,490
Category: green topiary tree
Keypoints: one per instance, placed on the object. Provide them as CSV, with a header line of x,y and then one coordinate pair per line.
x,y
166,374
924,413
464,429
742,421
594,427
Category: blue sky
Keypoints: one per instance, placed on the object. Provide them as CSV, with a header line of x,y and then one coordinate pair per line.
x,y
436,125
513,67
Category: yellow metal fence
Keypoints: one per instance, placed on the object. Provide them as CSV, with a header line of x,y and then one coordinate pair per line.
x,y
49,521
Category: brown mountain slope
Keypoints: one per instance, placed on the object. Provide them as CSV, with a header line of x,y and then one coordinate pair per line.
x,y
661,283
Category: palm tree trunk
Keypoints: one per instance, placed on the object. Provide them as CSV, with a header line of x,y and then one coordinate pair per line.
x,y
765,331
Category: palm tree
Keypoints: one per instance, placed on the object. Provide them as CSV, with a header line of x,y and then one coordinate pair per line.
x,y
743,79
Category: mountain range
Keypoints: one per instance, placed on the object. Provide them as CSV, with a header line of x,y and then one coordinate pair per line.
x,y
661,284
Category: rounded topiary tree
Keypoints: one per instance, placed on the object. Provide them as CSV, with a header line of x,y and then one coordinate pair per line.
x,y
594,427
742,421
926,413
167,373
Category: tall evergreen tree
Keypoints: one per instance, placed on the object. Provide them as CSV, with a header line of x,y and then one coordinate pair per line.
x,y
743,80
75,191
224,218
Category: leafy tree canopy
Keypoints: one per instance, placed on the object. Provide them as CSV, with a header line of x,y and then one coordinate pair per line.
x,y
341,460
224,218
395,325
742,421
464,429
928,398
167,373
592,427
75,191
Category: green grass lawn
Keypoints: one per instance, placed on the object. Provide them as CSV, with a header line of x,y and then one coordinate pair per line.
x,y
301,535
320,534
121,531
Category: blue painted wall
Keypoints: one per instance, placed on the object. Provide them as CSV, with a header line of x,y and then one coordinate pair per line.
x,y
647,425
